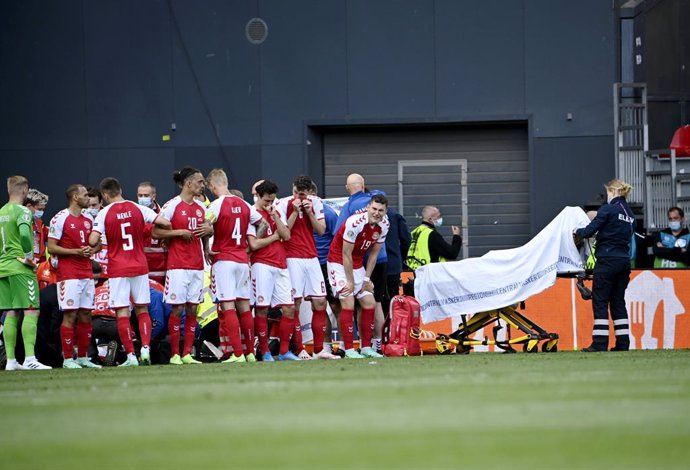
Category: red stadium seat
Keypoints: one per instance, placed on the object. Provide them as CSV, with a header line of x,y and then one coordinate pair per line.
x,y
680,142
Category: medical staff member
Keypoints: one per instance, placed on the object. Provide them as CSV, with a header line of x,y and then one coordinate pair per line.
x,y
613,226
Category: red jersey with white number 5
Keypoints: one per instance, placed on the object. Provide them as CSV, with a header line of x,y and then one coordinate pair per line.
x,y
231,216
72,232
123,224
356,230
183,254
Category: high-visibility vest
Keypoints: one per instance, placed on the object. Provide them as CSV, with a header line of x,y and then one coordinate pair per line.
x,y
207,310
418,254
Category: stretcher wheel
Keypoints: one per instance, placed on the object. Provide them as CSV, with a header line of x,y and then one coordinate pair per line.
x,y
550,346
530,346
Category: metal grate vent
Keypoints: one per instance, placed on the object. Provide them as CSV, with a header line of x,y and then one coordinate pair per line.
x,y
256,30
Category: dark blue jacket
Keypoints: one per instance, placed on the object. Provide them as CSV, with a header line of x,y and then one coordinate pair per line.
x,y
614,228
397,241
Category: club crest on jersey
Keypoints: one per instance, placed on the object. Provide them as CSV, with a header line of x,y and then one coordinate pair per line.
x,y
350,233
70,302
173,296
260,299
199,213
87,225
375,236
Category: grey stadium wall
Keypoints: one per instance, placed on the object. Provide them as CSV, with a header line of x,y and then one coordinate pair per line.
x,y
89,88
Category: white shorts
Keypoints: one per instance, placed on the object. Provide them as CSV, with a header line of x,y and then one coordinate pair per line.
x,y
307,278
184,286
121,289
76,294
230,281
271,286
338,279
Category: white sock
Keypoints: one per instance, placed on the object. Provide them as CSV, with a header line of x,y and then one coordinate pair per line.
x,y
376,344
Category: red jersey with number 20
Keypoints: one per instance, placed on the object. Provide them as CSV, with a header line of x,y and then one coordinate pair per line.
x,y
231,216
123,224
72,232
184,254
356,230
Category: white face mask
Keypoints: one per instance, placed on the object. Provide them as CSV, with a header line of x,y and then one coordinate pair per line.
x,y
38,214
675,225
92,211
438,222
145,201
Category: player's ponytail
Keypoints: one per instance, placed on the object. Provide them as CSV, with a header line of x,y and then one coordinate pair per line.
x,y
180,176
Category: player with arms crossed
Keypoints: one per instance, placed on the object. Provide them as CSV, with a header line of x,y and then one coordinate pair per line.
x,y
68,240
18,283
184,279
123,222
231,217
361,233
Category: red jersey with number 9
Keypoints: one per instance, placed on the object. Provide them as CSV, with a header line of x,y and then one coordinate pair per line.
x,y
183,254
231,217
123,224
72,232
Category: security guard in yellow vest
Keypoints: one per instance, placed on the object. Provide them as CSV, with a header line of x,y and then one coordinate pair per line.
x,y
428,246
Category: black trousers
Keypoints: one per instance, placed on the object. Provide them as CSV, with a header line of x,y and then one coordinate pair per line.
x,y
611,277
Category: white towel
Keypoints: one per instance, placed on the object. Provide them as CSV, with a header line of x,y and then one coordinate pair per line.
x,y
502,277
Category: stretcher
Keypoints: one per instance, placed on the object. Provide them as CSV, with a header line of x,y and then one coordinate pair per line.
x,y
521,331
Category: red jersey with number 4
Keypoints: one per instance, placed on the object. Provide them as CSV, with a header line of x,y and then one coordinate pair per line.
x,y
273,254
356,230
231,217
301,243
183,254
72,232
123,224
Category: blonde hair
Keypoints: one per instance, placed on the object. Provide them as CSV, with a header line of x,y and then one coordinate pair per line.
x,y
36,197
619,186
16,184
217,177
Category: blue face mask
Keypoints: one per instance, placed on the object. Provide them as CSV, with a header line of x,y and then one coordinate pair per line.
x,y
675,225
38,214
144,201
92,211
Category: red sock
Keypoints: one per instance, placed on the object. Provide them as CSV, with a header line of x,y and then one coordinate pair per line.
x,y
366,327
83,338
274,329
189,333
297,335
261,328
247,327
67,337
174,332
232,325
287,328
124,329
347,327
144,320
318,328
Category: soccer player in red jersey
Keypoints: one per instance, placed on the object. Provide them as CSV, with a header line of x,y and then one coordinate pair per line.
x,y
304,215
68,240
156,253
184,280
231,218
270,277
122,222
360,234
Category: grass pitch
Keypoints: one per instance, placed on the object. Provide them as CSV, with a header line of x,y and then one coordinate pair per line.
x,y
563,410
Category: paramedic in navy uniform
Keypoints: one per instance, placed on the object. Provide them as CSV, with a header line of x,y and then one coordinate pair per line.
x,y
613,226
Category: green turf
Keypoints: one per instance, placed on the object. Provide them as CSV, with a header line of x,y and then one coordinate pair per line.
x,y
564,410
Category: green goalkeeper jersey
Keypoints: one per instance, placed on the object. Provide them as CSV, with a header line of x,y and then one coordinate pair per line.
x,y
12,216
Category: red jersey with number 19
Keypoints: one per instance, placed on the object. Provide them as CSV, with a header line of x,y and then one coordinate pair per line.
x,y
123,224
185,216
72,232
231,217
356,230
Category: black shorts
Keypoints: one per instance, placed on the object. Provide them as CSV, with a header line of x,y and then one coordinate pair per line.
x,y
380,278
329,293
